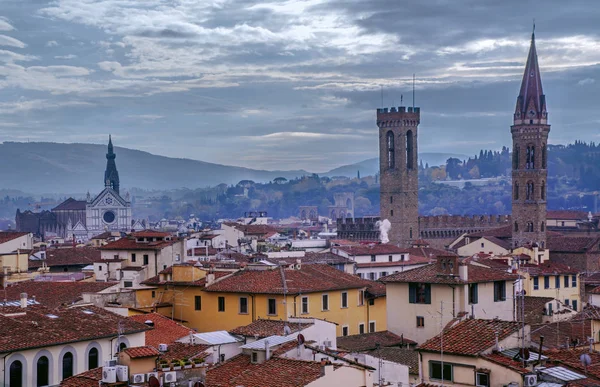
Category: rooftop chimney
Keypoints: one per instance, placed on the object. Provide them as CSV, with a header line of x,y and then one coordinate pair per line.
x,y
463,271
210,278
23,300
267,350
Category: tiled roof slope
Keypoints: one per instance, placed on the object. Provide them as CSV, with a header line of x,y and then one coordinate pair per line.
x,y
6,236
310,278
266,328
276,372
53,294
89,378
566,215
165,330
471,337
131,244
408,357
571,244
71,204
432,274
375,249
66,257
534,308
548,268
178,351
34,326
140,352
368,341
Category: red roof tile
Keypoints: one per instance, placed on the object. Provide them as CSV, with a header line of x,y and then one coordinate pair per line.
x,y
471,337
6,236
150,234
79,256
179,351
35,326
140,352
276,372
89,378
572,244
368,341
374,249
308,279
566,215
131,244
165,330
54,294
266,328
507,362
414,260
432,274
548,268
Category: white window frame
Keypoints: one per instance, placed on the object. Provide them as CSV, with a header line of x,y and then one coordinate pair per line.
x,y
361,298
302,305
322,306
477,379
363,328
347,328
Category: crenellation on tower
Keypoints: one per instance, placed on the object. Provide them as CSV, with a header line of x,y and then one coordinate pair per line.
x,y
399,185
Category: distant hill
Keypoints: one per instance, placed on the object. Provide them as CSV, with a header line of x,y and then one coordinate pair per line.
x,y
371,166
42,167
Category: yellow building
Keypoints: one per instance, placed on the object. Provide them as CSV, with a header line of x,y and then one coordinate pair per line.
x,y
554,280
225,300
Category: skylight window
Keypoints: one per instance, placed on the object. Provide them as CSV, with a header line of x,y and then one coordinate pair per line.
x,y
87,311
51,316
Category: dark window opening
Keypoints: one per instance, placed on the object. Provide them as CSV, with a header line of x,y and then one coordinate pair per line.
x,y
93,358
221,302
67,365
419,293
197,302
529,193
473,294
499,291
390,150
435,371
371,326
243,305
43,371
146,259
410,151
516,194
16,374
420,321
272,306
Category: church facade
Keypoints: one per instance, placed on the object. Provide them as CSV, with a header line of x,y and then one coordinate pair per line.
x,y
83,219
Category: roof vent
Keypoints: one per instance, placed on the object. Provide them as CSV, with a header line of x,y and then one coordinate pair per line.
x,y
150,323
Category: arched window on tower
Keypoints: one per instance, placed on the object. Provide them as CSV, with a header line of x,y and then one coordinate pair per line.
x,y
529,193
516,157
542,226
390,150
529,227
543,191
409,149
516,227
530,157
544,156
516,193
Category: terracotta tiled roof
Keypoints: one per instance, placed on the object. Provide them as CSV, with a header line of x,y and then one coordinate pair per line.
x,y
595,290
165,330
503,232
570,358
309,258
375,249
534,308
89,378
153,281
276,372
139,352
408,357
35,326
548,268
131,244
150,234
490,263
376,289
53,294
179,351
71,204
252,229
79,256
429,252
432,274
308,279
414,260
502,243
6,236
368,341
266,328
507,362
572,244
471,337
566,215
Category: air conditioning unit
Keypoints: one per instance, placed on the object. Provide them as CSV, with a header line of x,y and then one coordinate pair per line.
x,y
123,373
530,380
327,343
110,363
149,374
170,377
163,347
109,374
138,378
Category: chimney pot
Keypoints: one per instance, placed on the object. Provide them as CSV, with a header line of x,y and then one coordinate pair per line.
x,y
23,300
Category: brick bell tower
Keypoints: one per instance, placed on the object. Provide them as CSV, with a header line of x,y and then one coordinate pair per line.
x,y
529,164
399,172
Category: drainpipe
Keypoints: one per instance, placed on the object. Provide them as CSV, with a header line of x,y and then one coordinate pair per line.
x,y
253,314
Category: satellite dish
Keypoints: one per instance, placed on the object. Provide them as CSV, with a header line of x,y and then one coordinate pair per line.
x,y
585,359
300,339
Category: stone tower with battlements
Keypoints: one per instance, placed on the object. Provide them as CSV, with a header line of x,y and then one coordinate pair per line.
x,y
398,168
529,164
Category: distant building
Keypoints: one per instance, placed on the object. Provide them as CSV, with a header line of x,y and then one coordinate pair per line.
x,y
83,219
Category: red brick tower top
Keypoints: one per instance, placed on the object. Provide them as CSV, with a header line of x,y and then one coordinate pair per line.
x,y
531,102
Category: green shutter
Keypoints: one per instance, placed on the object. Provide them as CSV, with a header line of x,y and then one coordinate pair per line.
x,y
412,293
428,293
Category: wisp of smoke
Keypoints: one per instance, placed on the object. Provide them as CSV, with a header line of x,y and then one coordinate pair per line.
x,y
384,229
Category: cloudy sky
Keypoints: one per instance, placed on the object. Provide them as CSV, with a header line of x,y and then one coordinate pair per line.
x,y
289,84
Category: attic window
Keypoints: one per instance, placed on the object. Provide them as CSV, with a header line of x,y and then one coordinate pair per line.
x,y
254,357
51,316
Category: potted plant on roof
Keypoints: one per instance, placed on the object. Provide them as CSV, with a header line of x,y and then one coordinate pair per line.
x,y
164,366
198,361
176,364
187,363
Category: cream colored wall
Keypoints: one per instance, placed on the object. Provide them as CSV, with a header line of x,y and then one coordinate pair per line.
x,y
536,255
464,370
54,354
344,376
402,315
24,242
17,262
476,247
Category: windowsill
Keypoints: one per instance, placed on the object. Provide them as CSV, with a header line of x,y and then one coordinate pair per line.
x,y
271,314
344,307
324,310
243,313
304,312
221,311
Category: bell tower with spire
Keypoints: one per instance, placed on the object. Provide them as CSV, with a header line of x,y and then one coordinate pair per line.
x,y
529,159
111,175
